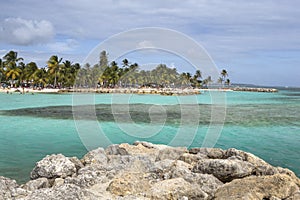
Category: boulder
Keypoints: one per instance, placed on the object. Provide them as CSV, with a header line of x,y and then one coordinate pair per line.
x,y
63,192
53,166
37,184
224,170
258,187
173,153
96,156
115,149
129,184
173,189
6,188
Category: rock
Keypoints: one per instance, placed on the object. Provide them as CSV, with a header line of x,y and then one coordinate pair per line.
x,y
224,170
115,150
53,166
295,196
58,182
6,187
129,184
260,166
37,184
214,153
96,156
258,187
173,153
64,192
78,164
176,188
192,158
148,171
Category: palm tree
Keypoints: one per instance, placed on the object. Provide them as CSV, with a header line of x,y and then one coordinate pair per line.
x,y
29,71
224,74
10,65
54,67
227,82
40,77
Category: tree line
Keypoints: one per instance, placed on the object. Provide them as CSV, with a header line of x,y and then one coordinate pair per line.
x,y
59,73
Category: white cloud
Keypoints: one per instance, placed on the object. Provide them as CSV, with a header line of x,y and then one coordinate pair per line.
x,y
66,46
25,32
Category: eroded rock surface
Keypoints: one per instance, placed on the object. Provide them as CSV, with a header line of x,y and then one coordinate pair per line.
x,y
149,171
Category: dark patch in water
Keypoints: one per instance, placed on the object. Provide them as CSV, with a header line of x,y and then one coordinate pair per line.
x,y
246,115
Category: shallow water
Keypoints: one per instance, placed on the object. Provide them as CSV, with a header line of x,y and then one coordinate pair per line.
x,y
32,126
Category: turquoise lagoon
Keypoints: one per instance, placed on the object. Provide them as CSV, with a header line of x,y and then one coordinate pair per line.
x,y
266,124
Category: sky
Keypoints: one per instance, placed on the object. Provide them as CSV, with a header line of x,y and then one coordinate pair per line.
x,y
257,42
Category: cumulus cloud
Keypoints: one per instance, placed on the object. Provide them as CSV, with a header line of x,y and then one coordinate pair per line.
x,y
25,32
65,46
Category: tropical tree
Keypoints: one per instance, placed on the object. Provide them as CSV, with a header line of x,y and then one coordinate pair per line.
x,y
227,82
11,67
40,77
54,65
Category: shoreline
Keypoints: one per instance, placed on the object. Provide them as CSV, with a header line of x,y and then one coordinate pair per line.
x,y
159,91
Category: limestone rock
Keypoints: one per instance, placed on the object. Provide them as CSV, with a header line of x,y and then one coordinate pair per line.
x,y
173,153
177,188
78,164
37,184
64,192
129,184
115,149
6,187
258,187
53,166
96,156
224,170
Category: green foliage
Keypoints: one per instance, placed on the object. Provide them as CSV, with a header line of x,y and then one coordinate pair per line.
x,y
64,74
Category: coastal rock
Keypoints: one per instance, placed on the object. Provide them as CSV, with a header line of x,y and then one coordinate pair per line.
x,y
53,166
260,166
258,187
224,170
96,156
129,184
171,153
115,149
64,192
173,189
149,171
6,188
37,184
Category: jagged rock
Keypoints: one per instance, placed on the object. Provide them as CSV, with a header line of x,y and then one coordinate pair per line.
x,y
148,171
53,166
37,184
173,153
6,187
64,192
214,153
224,170
58,182
261,167
192,158
258,187
96,156
129,184
78,164
295,196
176,188
115,149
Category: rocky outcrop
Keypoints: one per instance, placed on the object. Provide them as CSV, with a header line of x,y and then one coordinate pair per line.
x,y
148,171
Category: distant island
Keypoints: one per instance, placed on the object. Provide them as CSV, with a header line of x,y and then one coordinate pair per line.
x,y
104,77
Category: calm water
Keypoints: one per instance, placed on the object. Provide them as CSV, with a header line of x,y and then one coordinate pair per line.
x,y
33,126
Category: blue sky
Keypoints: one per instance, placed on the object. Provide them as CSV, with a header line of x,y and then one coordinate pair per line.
x,y
257,42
